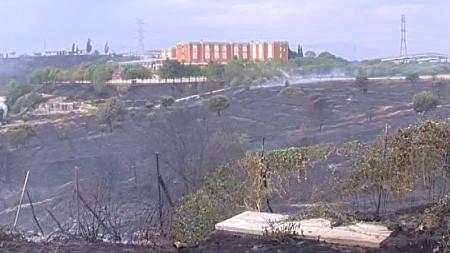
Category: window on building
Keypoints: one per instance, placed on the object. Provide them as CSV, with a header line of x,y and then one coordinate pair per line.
x,y
207,53
224,52
245,53
195,52
270,51
216,52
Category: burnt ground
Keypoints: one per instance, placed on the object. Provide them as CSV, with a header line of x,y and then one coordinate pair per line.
x,y
124,158
416,230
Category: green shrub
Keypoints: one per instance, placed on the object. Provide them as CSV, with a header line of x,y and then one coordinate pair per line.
x,y
218,103
413,77
167,101
135,72
424,101
362,83
220,197
100,75
291,92
152,116
111,113
231,190
27,102
15,91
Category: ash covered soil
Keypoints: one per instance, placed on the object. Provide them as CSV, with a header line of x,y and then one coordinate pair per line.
x,y
54,147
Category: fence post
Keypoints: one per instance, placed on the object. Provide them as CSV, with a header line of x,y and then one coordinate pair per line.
x,y
21,198
263,174
160,204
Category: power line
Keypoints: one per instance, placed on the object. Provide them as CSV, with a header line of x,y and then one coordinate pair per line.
x,y
140,35
403,46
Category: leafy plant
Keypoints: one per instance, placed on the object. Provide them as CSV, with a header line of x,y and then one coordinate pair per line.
x,y
218,103
14,91
220,197
291,92
424,101
413,77
27,102
402,162
232,189
167,101
362,83
111,113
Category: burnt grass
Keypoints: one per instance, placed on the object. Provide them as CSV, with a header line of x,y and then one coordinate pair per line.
x,y
125,157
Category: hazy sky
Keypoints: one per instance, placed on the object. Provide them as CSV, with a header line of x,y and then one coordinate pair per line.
x,y
350,28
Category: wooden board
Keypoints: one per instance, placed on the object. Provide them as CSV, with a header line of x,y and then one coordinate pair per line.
x,y
254,223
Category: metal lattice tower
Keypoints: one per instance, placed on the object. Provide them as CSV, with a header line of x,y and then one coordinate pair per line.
x,y
403,46
140,35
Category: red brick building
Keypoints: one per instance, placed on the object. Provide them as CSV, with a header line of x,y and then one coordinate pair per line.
x,y
223,52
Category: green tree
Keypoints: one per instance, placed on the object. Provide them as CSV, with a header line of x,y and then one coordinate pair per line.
x,y
27,102
413,77
106,49
310,54
192,71
362,83
171,69
45,75
300,51
214,73
234,72
100,75
135,72
111,113
438,86
88,46
292,54
218,103
14,91
424,101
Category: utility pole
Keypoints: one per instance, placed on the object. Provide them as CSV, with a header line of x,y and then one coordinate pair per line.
x,y
140,36
403,46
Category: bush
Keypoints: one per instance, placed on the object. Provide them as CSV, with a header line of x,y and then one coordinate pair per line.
x,y
111,113
438,86
152,116
230,190
27,102
291,92
167,101
424,101
362,83
218,103
413,78
220,197
135,72
15,91
100,75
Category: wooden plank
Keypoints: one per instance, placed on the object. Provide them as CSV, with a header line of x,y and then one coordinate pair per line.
x,y
254,223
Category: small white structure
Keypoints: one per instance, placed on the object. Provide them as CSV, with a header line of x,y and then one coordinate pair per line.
x,y
4,109
59,107
254,223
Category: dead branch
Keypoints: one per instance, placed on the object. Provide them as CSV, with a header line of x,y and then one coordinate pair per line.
x,y
34,214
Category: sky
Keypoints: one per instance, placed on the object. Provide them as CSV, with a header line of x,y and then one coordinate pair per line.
x,y
354,29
